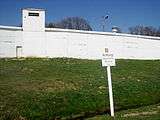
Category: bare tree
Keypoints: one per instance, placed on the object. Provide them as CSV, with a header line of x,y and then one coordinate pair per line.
x,y
77,23
50,25
144,30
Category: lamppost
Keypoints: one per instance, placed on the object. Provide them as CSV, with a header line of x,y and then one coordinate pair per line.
x,y
104,18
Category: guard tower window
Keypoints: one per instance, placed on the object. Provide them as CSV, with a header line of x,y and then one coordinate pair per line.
x,y
33,14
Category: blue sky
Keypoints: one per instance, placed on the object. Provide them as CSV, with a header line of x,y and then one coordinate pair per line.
x,y
122,13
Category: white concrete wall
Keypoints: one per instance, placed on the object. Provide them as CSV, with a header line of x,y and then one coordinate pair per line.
x,y
9,39
76,44
34,44
91,46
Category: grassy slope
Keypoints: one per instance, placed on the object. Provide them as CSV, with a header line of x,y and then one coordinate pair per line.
x,y
47,88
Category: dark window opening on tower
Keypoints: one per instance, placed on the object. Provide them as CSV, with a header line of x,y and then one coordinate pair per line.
x,y
33,14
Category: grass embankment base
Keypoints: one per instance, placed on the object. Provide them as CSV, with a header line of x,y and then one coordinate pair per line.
x,y
151,112
35,88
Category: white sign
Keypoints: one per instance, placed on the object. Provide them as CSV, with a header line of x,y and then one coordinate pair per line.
x,y
108,59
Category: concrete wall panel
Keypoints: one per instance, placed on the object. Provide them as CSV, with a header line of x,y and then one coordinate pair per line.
x,y
77,44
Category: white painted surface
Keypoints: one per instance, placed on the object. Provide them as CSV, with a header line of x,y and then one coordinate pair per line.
x,y
9,39
76,44
110,91
108,59
34,44
18,51
56,44
33,23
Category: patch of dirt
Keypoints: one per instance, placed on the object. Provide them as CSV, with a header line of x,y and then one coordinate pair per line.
x,y
59,86
102,87
49,86
140,113
158,107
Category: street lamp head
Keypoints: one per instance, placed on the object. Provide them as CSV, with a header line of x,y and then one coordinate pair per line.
x,y
106,17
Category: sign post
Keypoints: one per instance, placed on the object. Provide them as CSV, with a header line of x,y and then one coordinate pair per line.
x,y
109,60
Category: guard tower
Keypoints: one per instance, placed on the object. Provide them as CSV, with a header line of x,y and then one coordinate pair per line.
x,y
33,20
33,25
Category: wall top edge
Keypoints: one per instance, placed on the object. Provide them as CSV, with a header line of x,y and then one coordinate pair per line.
x,y
83,32
100,33
10,27
34,9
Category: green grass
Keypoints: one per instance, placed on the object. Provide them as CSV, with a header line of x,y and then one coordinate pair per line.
x,y
151,112
39,89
